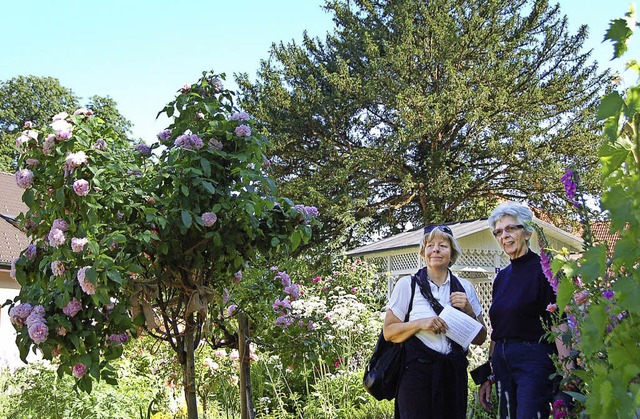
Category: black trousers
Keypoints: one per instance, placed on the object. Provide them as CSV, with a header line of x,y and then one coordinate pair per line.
x,y
433,385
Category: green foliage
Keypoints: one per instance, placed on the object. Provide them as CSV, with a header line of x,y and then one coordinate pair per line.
x,y
600,290
429,112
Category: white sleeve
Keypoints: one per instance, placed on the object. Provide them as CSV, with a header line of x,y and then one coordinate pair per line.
x,y
399,300
471,296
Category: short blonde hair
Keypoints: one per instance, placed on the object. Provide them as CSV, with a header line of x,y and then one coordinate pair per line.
x,y
431,232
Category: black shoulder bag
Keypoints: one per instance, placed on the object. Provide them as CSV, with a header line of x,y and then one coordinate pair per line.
x,y
382,374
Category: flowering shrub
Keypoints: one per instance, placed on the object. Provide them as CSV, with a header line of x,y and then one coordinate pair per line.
x,y
599,291
124,239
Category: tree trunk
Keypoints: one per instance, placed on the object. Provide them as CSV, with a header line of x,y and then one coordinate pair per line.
x,y
189,371
246,404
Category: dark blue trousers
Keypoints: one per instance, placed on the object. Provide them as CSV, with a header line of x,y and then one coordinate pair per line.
x,y
522,371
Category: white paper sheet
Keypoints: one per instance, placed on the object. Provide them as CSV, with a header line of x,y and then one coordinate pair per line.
x,y
462,328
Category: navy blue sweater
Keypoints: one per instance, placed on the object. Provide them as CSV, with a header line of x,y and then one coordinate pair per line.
x,y
521,294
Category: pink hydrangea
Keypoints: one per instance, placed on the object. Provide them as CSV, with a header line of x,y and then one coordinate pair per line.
x,y
73,307
87,286
79,370
81,187
78,244
18,314
209,218
240,116
242,131
38,332
60,224
56,237
57,268
24,178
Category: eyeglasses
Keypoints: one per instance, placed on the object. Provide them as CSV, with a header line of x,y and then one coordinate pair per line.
x,y
445,229
509,229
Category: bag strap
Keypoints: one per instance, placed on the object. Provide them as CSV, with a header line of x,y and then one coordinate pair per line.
x,y
413,291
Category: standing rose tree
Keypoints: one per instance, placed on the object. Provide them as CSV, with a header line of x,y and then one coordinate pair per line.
x,y
126,239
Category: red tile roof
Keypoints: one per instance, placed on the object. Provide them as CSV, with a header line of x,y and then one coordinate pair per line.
x,y
12,239
601,234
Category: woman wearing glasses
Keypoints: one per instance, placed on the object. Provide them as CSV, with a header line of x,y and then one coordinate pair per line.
x,y
519,353
434,378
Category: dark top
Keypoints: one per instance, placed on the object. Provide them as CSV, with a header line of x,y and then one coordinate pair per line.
x,y
521,294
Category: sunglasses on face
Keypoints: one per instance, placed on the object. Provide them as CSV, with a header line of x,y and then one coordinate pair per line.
x,y
445,229
510,229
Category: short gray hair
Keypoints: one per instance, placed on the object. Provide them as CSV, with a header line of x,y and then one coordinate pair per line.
x,y
456,250
520,213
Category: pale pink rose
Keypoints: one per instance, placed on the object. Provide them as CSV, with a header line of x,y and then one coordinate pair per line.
x,y
19,314
12,270
78,244
209,218
87,286
83,111
185,88
100,144
62,128
242,131
60,116
199,116
56,237
20,142
49,144
57,268
73,307
76,159
79,370
60,224
38,332
81,187
234,355
24,178
28,124
33,162
240,116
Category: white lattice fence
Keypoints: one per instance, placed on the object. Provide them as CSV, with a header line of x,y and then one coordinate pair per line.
x,y
404,261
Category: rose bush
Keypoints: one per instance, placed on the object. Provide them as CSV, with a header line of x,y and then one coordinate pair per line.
x,y
131,238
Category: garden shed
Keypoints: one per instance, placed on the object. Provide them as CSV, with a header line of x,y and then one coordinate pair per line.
x,y
481,257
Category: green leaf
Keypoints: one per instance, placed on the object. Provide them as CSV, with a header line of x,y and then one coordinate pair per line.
x,y
184,189
594,263
114,276
209,187
566,289
610,106
612,156
627,294
187,219
206,167
618,32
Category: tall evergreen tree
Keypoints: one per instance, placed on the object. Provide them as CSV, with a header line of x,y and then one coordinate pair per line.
x,y
429,111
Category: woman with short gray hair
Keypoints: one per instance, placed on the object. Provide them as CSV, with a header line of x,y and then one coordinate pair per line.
x,y
519,354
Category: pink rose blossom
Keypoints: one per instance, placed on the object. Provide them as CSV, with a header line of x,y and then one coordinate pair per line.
x,y
83,111
237,277
56,237
81,187
12,270
215,144
234,355
33,162
87,286
49,144
24,178
100,144
240,116
74,160
199,116
57,268
30,252
78,244
189,141
20,142
38,332
60,116
185,88
242,131
60,224
28,124
209,218
73,307
79,370
62,128
61,331
19,314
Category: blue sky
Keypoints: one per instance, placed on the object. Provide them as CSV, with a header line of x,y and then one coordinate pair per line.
x,y
140,52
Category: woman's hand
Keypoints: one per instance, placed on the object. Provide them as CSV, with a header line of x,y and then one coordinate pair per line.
x,y
459,300
484,394
433,324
